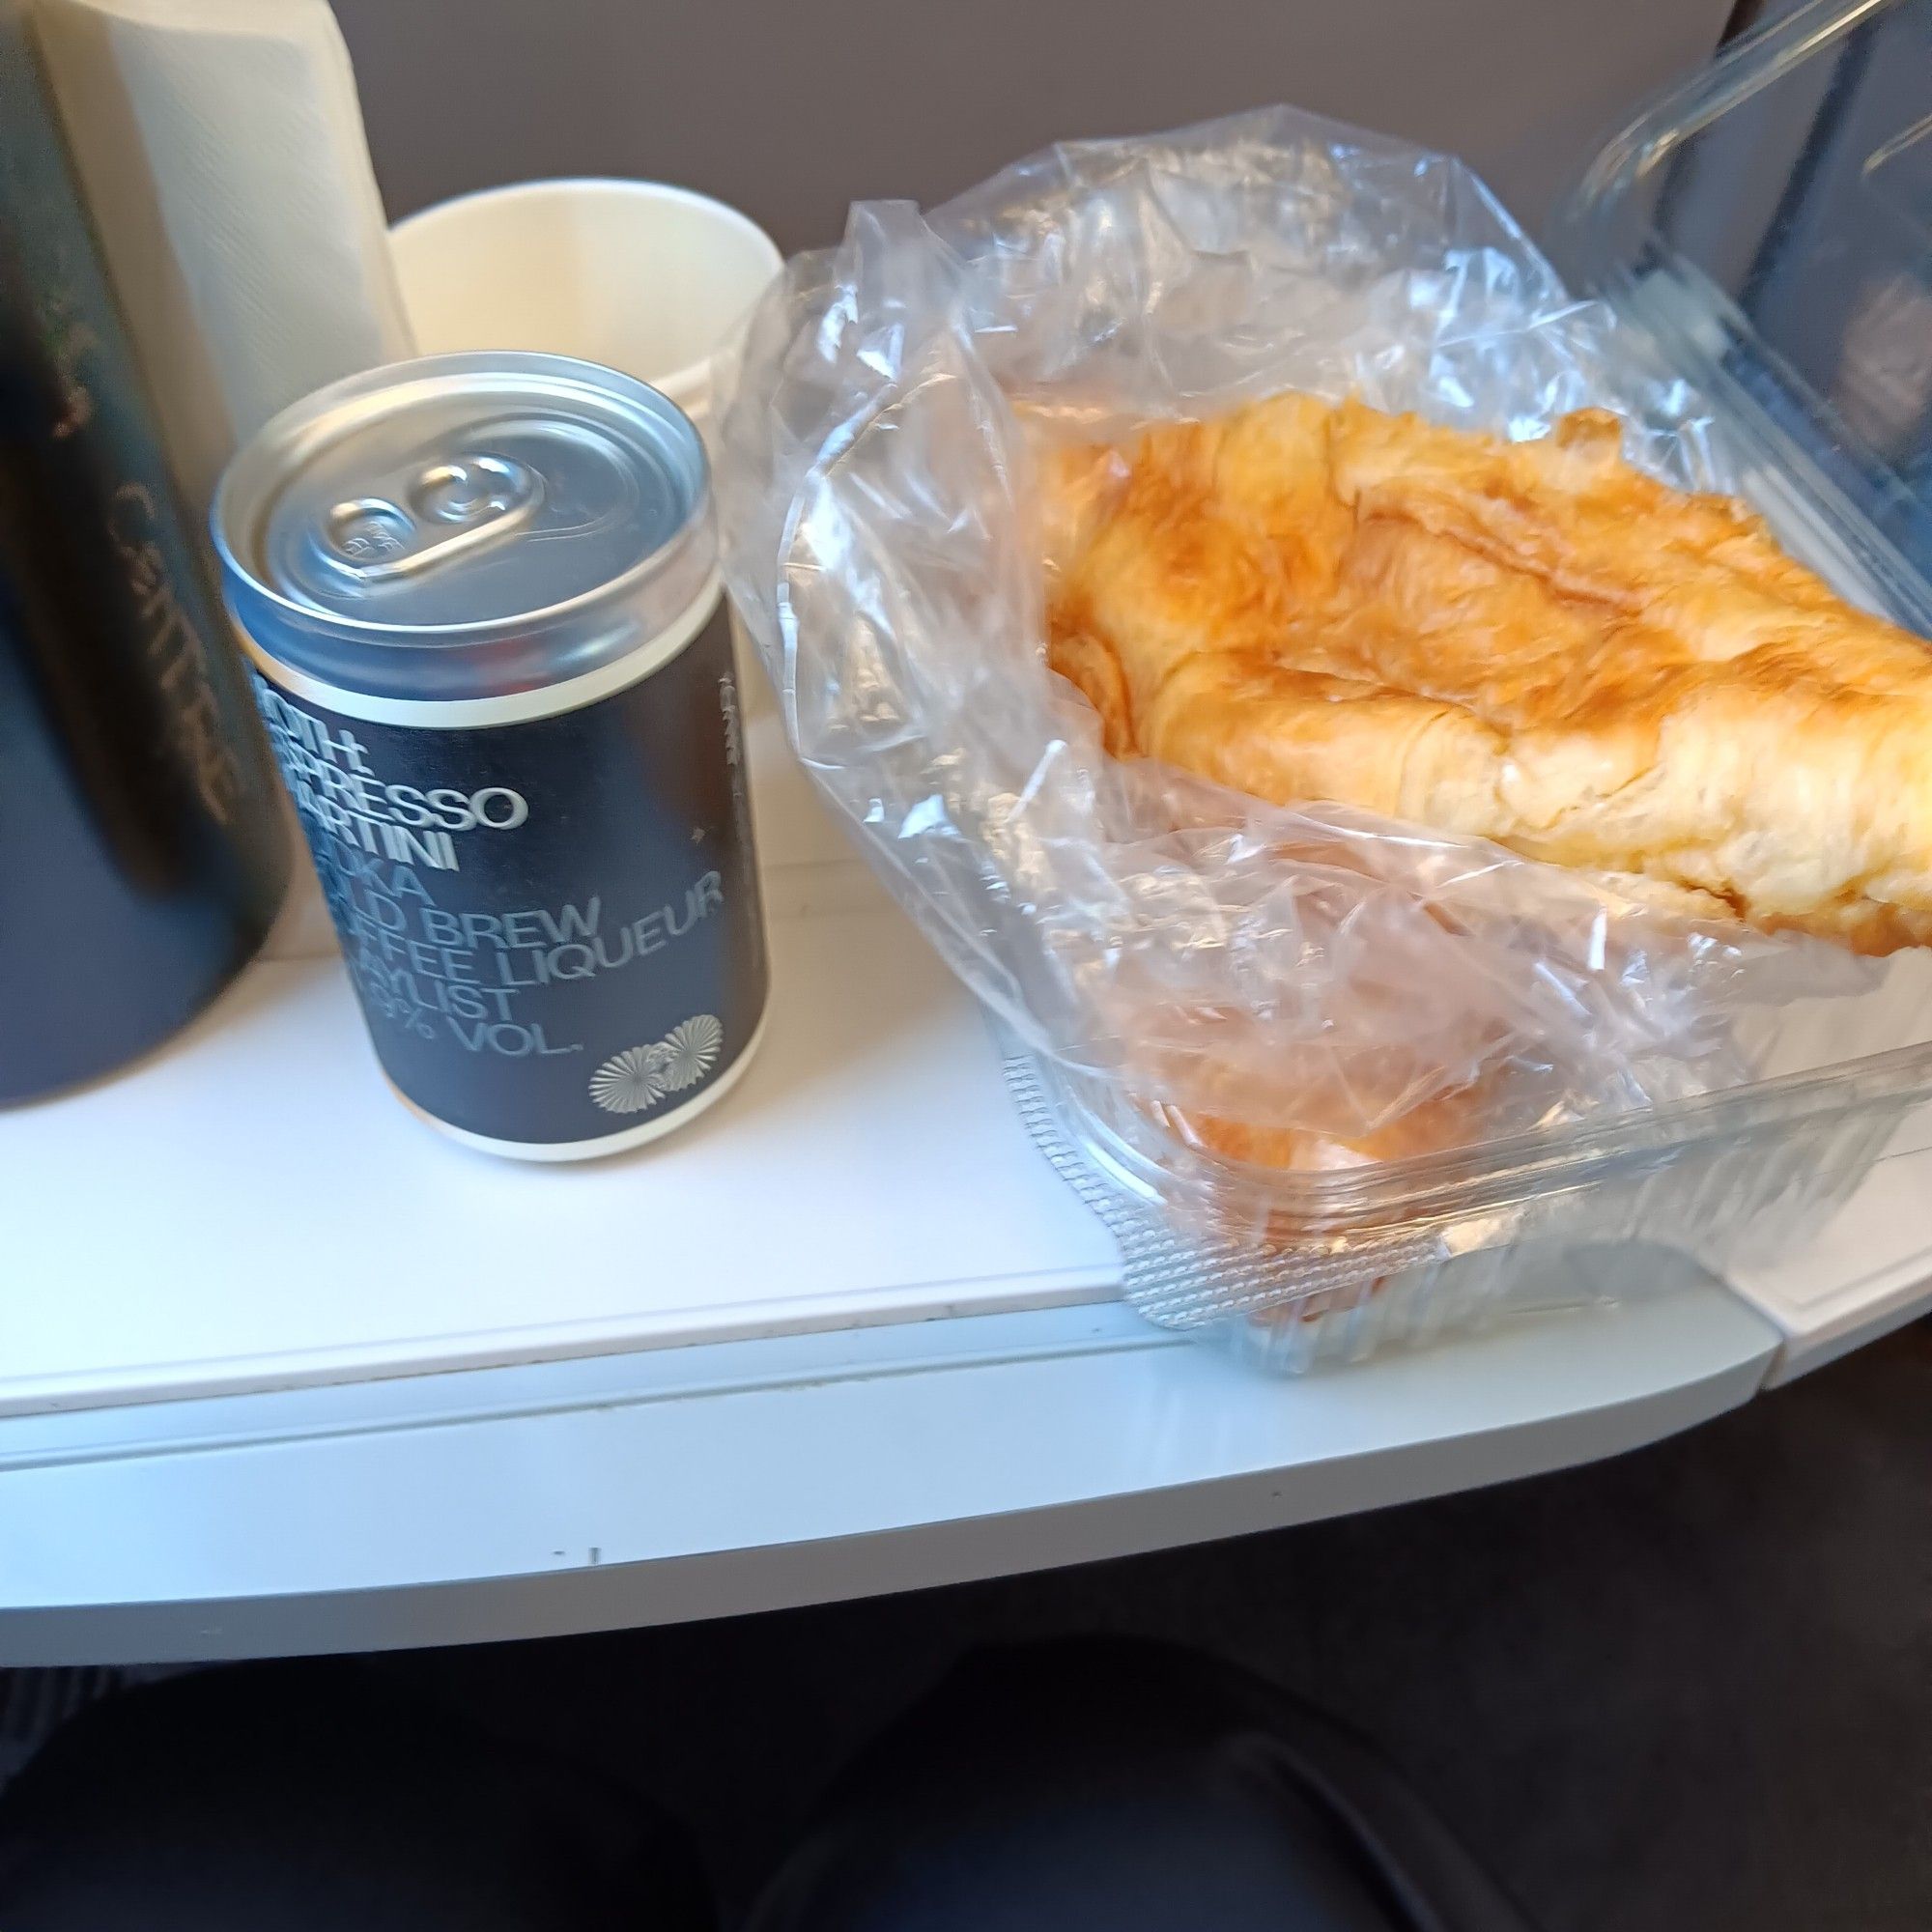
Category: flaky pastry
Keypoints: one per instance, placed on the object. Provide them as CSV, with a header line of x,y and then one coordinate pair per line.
x,y
1529,642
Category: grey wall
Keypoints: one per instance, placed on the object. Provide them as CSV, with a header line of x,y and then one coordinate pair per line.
x,y
793,108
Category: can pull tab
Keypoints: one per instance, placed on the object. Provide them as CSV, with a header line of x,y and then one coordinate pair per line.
x,y
432,514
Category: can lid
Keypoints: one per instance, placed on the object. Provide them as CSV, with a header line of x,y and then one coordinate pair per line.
x,y
466,526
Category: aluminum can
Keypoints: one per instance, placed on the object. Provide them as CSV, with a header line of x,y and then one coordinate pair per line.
x,y
480,595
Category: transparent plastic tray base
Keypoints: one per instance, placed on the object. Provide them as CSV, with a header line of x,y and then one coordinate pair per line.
x,y
1290,1303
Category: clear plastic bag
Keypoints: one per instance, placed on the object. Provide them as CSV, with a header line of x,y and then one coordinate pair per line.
x,y
1226,985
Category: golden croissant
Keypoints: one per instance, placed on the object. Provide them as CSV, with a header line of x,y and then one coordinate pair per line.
x,y
1529,642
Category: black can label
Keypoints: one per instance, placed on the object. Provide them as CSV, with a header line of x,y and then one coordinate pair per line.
x,y
553,925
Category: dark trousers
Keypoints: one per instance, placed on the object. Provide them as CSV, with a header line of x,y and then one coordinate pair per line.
x,y
1051,1789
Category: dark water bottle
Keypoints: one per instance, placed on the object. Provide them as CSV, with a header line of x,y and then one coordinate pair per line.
x,y
142,853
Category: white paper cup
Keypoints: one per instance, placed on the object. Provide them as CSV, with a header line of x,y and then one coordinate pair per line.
x,y
639,275
643,277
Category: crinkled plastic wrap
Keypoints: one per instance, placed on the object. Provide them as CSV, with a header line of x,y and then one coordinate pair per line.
x,y
1240,1000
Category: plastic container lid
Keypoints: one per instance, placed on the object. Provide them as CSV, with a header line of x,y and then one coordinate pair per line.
x,y
1768,224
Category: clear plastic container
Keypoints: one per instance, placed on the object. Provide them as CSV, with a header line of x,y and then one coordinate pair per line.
x,y
1169,954
1768,226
